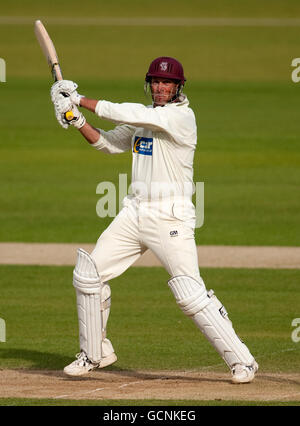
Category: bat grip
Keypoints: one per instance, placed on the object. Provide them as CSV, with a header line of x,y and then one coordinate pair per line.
x,y
69,116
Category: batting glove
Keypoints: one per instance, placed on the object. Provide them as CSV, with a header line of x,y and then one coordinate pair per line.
x,y
67,88
63,105
79,119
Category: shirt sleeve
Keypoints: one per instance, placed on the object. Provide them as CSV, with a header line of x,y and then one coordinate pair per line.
x,y
115,141
138,115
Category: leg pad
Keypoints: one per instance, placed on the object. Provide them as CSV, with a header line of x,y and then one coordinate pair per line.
x,y
87,283
211,318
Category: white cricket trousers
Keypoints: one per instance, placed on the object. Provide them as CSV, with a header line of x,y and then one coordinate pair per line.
x,y
166,227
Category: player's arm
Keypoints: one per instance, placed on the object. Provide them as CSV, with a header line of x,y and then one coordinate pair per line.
x,y
133,114
138,115
87,103
113,141
129,113
90,133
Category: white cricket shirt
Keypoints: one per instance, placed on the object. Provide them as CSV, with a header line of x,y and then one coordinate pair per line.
x,y
162,141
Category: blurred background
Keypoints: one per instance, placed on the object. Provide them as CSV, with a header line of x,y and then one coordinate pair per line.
x,y
237,59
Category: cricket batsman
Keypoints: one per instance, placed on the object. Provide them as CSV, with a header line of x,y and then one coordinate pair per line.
x,y
158,215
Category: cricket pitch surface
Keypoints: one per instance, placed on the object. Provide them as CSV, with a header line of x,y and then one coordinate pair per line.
x,y
164,385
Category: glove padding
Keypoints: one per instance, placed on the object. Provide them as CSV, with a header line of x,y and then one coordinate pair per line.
x,y
63,105
67,88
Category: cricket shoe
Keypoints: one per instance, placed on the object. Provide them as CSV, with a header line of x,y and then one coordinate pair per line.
x,y
82,365
244,373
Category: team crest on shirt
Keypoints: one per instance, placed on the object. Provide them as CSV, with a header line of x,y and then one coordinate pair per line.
x,y
142,145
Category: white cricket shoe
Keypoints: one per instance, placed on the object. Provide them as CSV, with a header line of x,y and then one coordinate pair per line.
x,y
82,365
244,373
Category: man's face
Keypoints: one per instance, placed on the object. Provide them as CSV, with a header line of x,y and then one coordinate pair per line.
x,y
162,90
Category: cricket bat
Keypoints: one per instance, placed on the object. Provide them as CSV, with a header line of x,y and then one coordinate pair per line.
x,y
51,56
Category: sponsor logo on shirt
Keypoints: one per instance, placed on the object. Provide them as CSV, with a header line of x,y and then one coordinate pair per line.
x,y
142,145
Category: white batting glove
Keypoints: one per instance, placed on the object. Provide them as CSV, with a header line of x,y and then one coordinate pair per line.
x,y
60,113
63,105
67,88
79,119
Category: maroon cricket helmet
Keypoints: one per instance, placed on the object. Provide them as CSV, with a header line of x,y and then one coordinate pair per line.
x,y
166,67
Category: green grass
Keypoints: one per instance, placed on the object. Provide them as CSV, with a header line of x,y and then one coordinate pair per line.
x,y
38,305
249,163
238,82
223,54
143,402
190,8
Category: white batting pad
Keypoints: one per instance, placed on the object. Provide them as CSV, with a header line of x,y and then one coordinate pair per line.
x,y
107,348
211,318
87,283
190,294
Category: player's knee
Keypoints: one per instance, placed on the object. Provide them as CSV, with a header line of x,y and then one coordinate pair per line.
x,y
85,275
190,295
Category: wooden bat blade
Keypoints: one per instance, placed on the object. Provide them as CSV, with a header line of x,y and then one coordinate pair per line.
x,y
51,56
48,49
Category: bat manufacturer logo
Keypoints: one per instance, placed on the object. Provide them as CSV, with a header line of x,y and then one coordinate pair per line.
x,y
223,312
173,233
